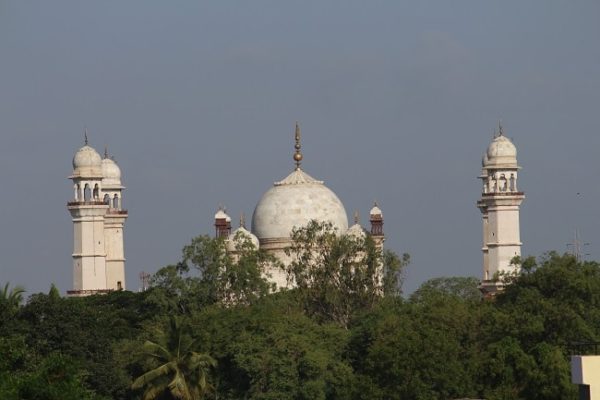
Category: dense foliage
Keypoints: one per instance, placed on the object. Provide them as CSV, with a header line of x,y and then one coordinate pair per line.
x,y
211,327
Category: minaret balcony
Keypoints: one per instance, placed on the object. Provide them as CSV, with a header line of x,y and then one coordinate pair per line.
x,y
88,292
115,211
86,203
492,194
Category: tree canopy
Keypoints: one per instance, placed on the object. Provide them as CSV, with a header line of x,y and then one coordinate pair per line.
x,y
211,326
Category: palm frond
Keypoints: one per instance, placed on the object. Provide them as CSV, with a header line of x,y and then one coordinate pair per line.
x,y
179,387
154,374
156,350
156,390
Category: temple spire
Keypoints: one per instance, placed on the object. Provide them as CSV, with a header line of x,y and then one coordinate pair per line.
x,y
297,146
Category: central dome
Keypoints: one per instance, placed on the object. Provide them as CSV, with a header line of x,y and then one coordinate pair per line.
x,y
293,203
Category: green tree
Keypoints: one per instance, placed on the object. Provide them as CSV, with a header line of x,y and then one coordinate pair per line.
x,y
210,274
57,378
10,300
464,288
419,349
529,331
85,330
336,275
175,367
272,350
24,375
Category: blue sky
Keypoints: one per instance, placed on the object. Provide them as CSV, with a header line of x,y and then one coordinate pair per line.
x,y
197,102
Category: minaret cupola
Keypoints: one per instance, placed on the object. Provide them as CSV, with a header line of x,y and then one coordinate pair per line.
x,y
87,173
111,182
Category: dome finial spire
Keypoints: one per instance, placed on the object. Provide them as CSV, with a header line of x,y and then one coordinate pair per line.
x,y
105,151
356,217
297,146
85,137
242,220
500,130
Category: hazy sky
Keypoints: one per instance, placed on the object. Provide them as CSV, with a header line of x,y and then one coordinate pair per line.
x,y
197,102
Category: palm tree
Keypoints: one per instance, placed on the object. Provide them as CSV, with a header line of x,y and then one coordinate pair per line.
x,y
12,298
181,371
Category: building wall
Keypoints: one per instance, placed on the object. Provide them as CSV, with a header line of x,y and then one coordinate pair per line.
x,y
503,236
89,256
115,252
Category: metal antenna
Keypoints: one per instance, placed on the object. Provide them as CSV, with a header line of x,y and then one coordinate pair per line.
x,y
577,247
144,281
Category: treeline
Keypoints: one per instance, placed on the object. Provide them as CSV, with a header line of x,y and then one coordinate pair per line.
x,y
210,328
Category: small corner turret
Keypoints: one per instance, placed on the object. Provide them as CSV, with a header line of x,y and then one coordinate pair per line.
x,y
222,223
376,219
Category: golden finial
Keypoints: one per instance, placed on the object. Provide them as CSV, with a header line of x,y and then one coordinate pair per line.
x,y
298,146
242,220
85,137
356,217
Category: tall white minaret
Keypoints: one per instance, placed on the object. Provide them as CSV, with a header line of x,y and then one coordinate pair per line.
x,y
88,210
499,205
114,222
98,221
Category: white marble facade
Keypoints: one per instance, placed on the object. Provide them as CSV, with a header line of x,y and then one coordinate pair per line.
x,y
292,203
98,222
499,204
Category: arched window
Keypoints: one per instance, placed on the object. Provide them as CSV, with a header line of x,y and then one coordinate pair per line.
x,y
107,199
513,183
87,193
116,202
96,192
